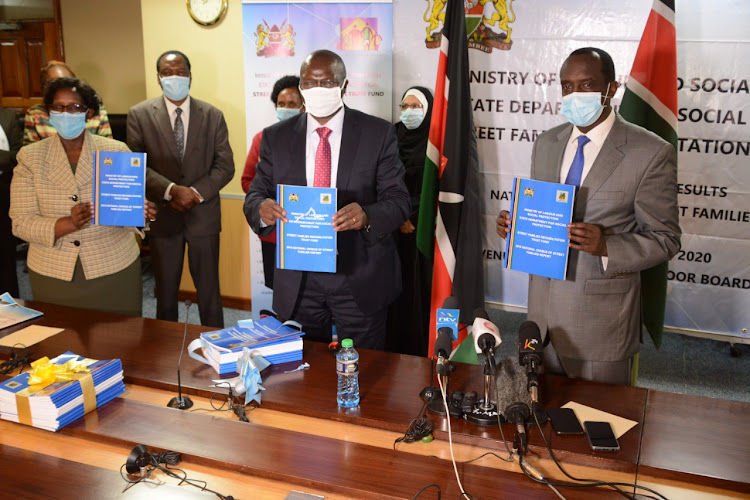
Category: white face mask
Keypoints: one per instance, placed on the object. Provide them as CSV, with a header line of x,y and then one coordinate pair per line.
x,y
321,102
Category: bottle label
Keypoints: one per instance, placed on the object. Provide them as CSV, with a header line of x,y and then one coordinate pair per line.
x,y
349,368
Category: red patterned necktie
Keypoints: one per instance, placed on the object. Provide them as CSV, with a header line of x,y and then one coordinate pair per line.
x,y
323,159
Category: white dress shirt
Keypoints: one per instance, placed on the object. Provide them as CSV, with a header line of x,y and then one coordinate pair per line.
x,y
336,124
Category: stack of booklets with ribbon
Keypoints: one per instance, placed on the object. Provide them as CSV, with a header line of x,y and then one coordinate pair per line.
x,y
267,337
56,392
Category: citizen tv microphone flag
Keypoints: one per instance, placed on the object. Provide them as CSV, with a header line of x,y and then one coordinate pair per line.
x,y
447,317
530,355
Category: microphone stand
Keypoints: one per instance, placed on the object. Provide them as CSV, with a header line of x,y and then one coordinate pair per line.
x,y
444,370
485,411
181,402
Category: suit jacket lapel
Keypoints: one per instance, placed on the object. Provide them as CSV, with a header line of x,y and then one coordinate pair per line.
x,y
607,160
298,152
347,153
85,170
60,173
194,127
553,165
161,118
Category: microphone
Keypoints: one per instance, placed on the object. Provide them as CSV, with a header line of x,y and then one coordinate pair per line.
x,y
447,317
182,402
530,355
518,414
447,330
486,335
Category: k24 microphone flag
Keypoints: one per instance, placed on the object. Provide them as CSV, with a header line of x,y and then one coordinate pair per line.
x,y
449,227
650,100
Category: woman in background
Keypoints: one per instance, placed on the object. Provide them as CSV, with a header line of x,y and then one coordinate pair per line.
x,y
36,124
71,262
409,315
287,100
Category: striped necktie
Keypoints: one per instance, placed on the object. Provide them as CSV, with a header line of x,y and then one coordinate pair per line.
x,y
179,132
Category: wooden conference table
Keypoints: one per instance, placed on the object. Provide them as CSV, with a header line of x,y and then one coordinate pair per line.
x,y
299,439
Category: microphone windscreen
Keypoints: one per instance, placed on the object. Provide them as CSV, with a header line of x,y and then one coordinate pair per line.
x,y
529,330
451,302
444,341
510,384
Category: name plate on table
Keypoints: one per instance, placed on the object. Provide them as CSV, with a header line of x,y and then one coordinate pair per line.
x,y
538,240
307,242
119,188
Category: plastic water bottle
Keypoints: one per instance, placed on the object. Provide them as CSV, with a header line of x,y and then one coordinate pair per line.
x,y
347,369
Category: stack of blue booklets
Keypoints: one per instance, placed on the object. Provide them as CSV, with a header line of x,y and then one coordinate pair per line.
x,y
60,403
267,337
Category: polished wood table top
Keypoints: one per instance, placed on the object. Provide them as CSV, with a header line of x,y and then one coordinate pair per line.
x,y
390,385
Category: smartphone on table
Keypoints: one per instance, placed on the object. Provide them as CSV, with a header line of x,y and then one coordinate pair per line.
x,y
601,436
564,421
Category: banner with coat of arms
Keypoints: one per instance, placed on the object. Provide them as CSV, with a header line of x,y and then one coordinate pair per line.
x,y
516,48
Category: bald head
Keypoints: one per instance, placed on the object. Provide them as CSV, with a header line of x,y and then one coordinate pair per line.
x,y
325,60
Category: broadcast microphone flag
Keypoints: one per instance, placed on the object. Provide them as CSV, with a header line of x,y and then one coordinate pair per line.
x,y
449,227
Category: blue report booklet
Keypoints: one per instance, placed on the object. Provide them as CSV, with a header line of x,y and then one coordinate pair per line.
x,y
12,313
538,240
119,188
307,242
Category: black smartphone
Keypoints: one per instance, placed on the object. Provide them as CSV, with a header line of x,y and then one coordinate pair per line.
x,y
601,436
564,421
470,399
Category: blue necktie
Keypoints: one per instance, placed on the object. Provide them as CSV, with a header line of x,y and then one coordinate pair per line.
x,y
576,168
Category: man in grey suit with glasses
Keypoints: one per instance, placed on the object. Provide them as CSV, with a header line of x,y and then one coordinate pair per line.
x,y
625,220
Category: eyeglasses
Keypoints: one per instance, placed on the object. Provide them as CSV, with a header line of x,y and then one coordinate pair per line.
x,y
309,84
70,108
404,107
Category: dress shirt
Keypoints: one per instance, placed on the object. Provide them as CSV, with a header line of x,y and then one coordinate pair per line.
x,y
590,151
172,112
336,124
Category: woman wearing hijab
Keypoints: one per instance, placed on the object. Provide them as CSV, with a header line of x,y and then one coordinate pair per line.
x,y
408,316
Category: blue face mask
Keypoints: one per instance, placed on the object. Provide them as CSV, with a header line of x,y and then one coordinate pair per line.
x,y
176,88
68,125
582,108
412,118
284,113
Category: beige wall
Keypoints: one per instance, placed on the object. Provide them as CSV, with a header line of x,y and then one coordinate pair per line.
x,y
103,43
216,57
114,45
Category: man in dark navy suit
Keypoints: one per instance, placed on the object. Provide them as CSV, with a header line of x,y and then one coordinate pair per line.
x,y
333,145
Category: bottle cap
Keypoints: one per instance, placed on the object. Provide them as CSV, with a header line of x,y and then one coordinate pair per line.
x,y
347,343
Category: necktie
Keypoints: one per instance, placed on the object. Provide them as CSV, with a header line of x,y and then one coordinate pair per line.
x,y
576,168
322,176
179,133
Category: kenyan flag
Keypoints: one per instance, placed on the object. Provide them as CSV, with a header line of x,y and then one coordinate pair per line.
x,y
449,227
650,101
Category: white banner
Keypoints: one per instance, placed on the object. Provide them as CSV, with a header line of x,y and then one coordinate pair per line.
x,y
516,49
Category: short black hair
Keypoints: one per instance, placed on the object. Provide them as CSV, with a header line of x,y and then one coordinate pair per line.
x,y
608,65
285,82
175,52
337,64
84,90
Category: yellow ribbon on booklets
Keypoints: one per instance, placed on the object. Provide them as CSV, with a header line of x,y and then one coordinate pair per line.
x,y
43,374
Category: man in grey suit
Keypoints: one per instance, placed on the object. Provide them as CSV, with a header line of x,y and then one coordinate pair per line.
x,y
625,220
189,160
358,154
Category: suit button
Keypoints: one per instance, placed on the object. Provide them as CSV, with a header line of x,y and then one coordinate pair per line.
x,y
74,197
77,243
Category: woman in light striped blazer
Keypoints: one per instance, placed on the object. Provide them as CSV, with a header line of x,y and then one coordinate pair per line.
x,y
70,261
